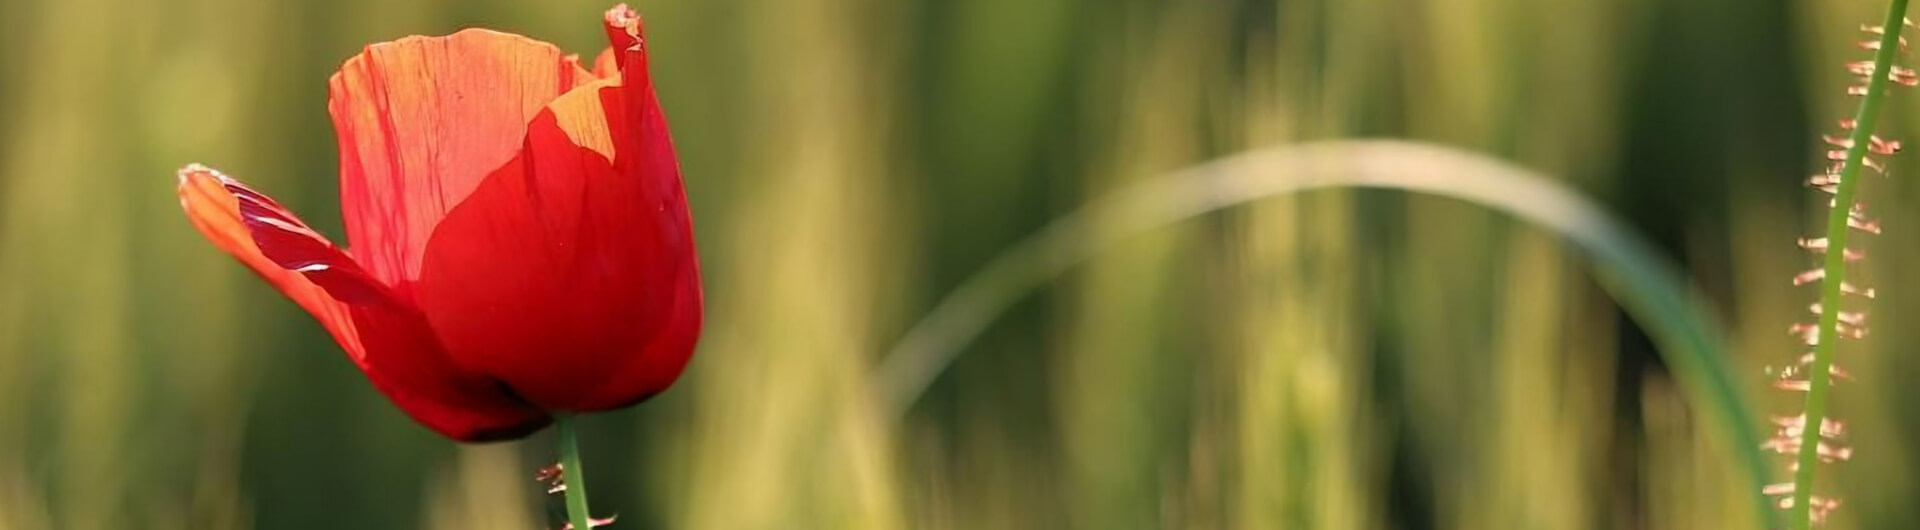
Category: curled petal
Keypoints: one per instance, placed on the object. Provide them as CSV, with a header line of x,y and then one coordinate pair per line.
x,y
213,206
387,339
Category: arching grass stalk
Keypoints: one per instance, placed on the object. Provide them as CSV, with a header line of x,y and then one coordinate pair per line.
x,y
1808,435
1646,284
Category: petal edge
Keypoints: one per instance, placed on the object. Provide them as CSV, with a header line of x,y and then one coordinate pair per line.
x,y
421,120
210,204
389,340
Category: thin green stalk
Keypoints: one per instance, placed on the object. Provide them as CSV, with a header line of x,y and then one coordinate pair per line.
x,y
1647,284
575,475
1835,271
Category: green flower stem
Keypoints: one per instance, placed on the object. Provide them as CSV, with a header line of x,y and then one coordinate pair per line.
x,y
1801,515
573,473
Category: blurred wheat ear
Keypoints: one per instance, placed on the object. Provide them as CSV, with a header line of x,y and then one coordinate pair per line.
x,y
1644,282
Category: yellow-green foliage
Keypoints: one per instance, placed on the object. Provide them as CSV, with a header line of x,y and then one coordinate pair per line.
x,y
1338,360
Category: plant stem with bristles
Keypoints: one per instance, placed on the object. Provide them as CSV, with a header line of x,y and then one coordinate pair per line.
x,y
576,475
1819,375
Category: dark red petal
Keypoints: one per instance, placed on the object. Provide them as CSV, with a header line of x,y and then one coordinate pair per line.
x,y
660,362
627,40
388,340
421,121
570,274
215,210
406,362
293,246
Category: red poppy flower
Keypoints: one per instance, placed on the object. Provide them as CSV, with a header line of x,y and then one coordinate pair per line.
x,y
521,244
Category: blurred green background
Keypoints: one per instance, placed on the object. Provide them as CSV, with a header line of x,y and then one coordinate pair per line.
x,y
1332,360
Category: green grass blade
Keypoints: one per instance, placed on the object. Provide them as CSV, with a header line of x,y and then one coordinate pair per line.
x,y
1835,266
1649,286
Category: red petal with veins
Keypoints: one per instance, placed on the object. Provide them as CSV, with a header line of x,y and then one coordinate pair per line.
x,y
389,340
214,209
421,121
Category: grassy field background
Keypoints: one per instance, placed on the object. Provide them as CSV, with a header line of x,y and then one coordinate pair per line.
x,y
1336,360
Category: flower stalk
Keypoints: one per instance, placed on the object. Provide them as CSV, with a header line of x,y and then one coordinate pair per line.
x,y
1813,438
575,488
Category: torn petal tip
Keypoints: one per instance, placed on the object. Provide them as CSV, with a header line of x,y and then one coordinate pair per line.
x,y
189,170
624,17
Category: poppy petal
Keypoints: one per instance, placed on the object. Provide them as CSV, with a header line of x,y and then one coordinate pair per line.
x,y
569,272
640,129
626,39
406,362
388,340
214,208
636,377
421,121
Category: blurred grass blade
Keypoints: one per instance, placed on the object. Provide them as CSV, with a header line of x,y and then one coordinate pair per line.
x,y
1645,283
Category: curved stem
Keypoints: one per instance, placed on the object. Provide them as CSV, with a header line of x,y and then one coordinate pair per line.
x,y
1835,266
1647,284
576,476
